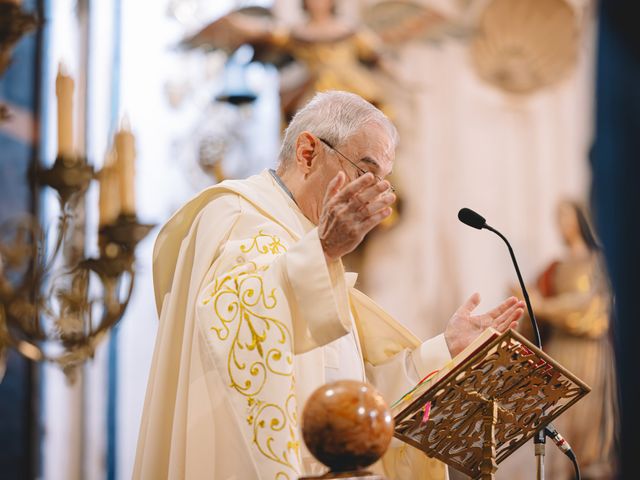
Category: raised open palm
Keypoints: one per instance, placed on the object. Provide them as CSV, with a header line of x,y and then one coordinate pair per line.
x,y
464,327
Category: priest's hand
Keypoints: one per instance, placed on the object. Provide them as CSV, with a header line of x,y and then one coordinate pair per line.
x,y
463,327
350,211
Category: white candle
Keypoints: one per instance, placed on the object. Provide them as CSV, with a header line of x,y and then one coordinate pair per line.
x,y
64,93
126,154
109,191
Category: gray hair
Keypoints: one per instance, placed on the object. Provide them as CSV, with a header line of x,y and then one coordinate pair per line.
x,y
335,117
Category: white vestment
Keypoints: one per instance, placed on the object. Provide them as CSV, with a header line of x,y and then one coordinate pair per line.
x,y
252,320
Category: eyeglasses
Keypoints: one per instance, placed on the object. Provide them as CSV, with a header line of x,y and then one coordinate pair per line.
x,y
361,171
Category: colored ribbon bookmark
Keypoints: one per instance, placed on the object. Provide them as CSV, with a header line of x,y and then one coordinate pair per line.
x,y
425,415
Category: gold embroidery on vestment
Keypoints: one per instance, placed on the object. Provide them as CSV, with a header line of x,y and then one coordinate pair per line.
x,y
260,346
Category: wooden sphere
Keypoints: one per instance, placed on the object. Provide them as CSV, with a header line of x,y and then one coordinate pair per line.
x,y
347,425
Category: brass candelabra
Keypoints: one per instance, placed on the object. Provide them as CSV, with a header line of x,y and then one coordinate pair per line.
x,y
55,304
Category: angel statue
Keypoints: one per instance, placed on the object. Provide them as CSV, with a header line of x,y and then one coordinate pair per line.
x,y
333,54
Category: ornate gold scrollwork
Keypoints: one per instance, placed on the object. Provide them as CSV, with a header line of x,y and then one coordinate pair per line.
x,y
258,346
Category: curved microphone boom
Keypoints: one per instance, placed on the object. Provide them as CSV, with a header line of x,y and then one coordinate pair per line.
x,y
475,220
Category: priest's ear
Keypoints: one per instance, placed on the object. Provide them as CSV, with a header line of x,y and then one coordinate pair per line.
x,y
307,149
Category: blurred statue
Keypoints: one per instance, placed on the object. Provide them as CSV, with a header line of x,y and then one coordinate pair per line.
x,y
332,54
572,301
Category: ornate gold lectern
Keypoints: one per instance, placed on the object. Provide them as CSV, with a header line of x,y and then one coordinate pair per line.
x,y
486,403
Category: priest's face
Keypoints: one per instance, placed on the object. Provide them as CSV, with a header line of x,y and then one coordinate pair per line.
x,y
369,150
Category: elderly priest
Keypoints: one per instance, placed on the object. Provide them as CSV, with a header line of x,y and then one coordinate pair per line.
x,y
256,310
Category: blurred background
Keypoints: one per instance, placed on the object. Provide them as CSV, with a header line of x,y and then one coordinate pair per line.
x,y
114,113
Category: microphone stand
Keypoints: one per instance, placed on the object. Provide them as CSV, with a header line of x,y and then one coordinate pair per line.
x,y
539,439
477,221
539,451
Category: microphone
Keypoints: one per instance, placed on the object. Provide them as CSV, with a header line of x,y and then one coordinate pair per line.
x,y
475,220
471,218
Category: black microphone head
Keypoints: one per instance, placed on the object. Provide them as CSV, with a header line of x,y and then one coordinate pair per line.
x,y
471,218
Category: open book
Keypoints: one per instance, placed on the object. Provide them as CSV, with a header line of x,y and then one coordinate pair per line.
x,y
443,414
